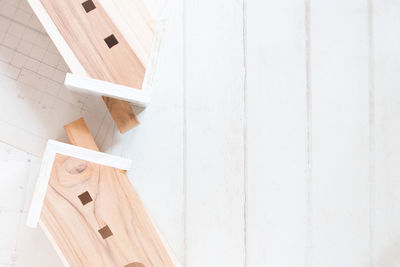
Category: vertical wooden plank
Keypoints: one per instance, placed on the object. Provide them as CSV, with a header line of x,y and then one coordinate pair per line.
x,y
156,147
386,194
277,133
214,87
340,133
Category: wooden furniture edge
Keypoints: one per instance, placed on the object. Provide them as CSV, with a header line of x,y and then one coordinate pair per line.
x,y
85,84
121,112
138,97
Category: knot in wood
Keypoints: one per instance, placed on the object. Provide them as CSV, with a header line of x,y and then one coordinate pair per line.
x,y
75,166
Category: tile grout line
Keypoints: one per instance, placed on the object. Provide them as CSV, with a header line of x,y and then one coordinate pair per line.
x,y
184,133
371,85
11,19
308,236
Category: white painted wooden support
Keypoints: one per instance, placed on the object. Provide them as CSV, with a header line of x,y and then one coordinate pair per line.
x,y
339,194
214,133
93,86
53,148
385,132
276,134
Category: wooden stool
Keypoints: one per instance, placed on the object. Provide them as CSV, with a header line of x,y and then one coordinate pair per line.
x,y
90,211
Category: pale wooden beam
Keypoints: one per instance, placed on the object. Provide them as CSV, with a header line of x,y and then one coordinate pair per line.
x,y
79,135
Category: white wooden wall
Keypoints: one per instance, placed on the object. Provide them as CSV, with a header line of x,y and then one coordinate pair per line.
x,y
272,139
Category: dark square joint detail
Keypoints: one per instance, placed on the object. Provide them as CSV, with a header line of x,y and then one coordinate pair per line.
x,y
111,41
88,6
105,232
85,198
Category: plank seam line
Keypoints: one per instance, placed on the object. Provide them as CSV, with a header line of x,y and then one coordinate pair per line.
x,y
245,149
308,233
371,85
184,132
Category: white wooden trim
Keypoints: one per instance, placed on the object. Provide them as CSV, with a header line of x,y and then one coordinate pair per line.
x,y
89,155
40,188
53,148
62,46
99,87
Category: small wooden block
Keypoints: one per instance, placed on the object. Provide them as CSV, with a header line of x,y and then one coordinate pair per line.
x,y
79,134
122,113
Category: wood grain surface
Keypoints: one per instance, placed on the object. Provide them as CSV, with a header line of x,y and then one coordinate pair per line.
x,y
122,113
115,204
85,33
95,216
134,21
